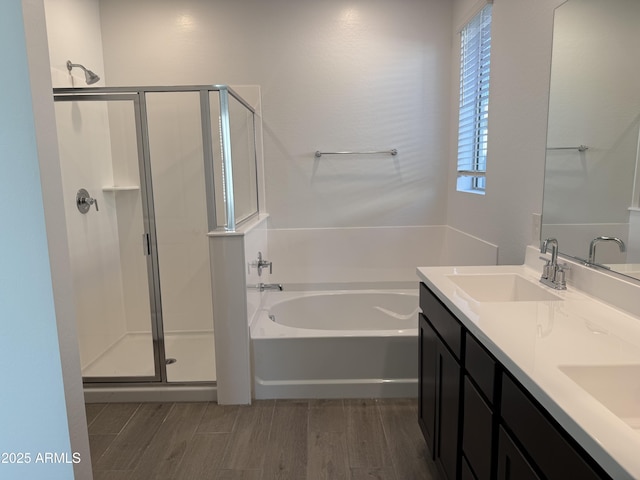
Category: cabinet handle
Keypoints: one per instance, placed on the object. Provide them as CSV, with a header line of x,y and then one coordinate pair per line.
x,y
438,425
146,244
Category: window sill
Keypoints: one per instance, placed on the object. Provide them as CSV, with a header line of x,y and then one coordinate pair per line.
x,y
474,192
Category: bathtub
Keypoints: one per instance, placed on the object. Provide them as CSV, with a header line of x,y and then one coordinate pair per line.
x,y
336,344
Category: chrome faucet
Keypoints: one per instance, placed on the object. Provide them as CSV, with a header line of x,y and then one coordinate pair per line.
x,y
554,249
592,247
269,286
553,275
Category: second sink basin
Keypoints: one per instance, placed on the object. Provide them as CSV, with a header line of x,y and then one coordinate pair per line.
x,y
617,387
502,287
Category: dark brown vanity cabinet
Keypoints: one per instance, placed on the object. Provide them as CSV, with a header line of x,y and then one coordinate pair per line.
x,y
478,421
440,383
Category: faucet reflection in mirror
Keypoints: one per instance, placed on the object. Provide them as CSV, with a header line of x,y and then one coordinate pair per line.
x,y
594,101
592,248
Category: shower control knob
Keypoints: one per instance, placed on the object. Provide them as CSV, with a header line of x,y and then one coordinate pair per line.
x,y
84,201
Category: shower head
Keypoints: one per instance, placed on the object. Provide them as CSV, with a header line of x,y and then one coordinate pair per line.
x,y
89,76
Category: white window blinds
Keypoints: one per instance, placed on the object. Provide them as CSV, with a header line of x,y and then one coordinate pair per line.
x,y
474,102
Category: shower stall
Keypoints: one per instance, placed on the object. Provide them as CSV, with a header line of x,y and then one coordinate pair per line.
x,y
147,173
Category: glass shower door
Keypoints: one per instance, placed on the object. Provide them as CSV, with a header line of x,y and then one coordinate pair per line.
x,y
177,166
110,236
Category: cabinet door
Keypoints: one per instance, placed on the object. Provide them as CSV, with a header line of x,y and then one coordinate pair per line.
x,y
465,471
427,382
511,463
477,431
447,411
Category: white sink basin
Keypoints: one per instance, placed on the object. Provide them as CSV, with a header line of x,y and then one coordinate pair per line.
x,y
617,387
502,287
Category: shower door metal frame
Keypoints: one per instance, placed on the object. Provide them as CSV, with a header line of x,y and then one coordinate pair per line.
x,y
148,221
205,109
138,96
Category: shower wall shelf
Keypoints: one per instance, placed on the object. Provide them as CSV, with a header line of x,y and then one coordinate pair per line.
x,y
126,188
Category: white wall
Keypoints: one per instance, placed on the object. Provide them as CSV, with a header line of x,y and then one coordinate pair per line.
x,y
520,69
107,306
73,31
104,159
345,76
85,157
633,254
335,75
375,74
369,254
256,240
230,314
39,349
360,254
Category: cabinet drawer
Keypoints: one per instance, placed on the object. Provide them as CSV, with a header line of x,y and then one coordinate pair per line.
x,y
541,438
447,326
481,366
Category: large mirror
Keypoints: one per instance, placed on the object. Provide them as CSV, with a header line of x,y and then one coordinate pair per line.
x,y
592,176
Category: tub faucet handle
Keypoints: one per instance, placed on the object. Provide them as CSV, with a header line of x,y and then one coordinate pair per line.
x,y
260,264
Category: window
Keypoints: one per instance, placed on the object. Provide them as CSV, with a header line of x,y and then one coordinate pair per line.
x,y
475,54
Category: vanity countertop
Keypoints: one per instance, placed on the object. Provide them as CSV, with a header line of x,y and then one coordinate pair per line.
x,y
537,340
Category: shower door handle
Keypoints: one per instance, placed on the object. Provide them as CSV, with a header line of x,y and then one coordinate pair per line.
x,y
146,244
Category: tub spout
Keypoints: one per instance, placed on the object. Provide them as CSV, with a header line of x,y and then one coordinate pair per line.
x,y
269,286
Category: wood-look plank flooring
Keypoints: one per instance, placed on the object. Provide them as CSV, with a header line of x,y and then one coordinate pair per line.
x,y
269,440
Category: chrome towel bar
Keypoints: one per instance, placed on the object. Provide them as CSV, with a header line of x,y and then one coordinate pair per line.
x,y
580,148
393,151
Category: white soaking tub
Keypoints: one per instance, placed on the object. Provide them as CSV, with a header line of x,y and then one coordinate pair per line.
x,y
336,344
